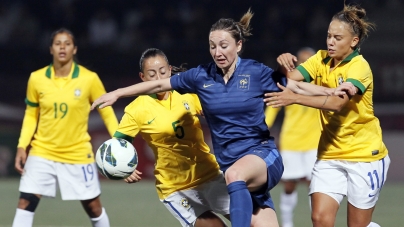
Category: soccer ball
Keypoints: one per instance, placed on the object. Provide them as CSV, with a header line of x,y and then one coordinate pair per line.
x,y
116,159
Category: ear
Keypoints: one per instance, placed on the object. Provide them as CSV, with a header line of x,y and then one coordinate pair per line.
x,y
239,45
354,42
141,75
75,50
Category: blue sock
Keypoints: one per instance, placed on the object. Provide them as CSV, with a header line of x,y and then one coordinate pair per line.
x,y
241,206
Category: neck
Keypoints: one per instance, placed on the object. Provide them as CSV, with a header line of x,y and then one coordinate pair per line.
x,y
227,73
62,69
162,96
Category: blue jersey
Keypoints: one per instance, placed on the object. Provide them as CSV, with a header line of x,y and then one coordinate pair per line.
x,y
233,111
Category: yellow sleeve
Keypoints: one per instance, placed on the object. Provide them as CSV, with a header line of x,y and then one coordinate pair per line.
x,y
128,127
270,115
309,68
30,121
107,113
360,75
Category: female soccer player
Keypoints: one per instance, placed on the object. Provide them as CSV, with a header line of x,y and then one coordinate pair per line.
x,y
352,158
231,92
188,180
58,106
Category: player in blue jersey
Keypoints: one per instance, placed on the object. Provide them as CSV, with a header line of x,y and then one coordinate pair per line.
x,y
231,92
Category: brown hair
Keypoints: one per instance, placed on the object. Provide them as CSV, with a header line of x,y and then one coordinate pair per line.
x,y
354,15
59,31
238,30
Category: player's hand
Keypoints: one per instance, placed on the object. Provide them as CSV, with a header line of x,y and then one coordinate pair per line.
x,y
20,159
279,99
105,100
287,62
134,177
346,88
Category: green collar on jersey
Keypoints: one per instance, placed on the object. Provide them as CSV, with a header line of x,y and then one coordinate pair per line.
x,y
347,59
75,74
155,95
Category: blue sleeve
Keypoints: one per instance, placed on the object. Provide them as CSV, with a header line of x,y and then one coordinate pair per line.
x,y
184,82
269,79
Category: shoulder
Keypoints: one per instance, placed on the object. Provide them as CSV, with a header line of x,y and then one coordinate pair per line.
x,y
360,60
40,72
83,71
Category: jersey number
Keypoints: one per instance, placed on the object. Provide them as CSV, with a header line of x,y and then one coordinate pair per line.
x,y
176,128
372,182
88,172
62,108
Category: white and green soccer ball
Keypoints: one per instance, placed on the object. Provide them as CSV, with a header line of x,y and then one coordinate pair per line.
x,y
116,159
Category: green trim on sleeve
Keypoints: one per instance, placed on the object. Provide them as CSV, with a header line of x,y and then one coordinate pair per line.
x,y
32,104
123,136
305,73
358,84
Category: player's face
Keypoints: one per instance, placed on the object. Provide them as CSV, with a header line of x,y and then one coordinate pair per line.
x,y
223,48
340,41
63,48
155,68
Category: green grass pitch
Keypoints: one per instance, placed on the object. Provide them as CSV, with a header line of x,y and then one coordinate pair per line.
x,y
138,205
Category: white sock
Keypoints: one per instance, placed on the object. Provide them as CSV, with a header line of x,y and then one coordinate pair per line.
x,y
287,205
102,220
372,224
23,218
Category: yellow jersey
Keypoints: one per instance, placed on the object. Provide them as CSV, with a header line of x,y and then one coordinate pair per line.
x,y
172,130
300,130
57,114
354,133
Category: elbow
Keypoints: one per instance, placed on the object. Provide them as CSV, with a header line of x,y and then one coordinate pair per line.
x,y
337,107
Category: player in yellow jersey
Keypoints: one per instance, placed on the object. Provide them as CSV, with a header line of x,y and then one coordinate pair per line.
x,y
298,143
352,158
188,180
55,125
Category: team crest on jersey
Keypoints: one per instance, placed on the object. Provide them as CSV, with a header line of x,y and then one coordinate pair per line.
x,y
186,105
243,82
77,92
185,203
340,79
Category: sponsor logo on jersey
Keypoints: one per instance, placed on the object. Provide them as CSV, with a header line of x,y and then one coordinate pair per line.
x,y
243,82
150,121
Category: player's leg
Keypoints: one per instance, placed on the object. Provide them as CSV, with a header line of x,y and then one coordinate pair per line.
x,y
209,219
365,181
327,189
80,182
251,169
295,170
38,179
264,217
96,212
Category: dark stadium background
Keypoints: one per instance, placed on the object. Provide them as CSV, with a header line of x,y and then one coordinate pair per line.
x,y
111,35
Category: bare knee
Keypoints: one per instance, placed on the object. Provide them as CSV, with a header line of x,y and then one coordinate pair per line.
x,y
232,175
209,219
322,219
92,207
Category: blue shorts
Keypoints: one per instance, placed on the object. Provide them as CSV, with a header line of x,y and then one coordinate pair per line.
x,y
273,160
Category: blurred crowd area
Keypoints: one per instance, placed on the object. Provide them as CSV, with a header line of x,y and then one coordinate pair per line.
x,y
112,34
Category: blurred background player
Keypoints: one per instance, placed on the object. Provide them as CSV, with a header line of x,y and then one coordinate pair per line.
x,y
298,143
56,117
188,180
352,160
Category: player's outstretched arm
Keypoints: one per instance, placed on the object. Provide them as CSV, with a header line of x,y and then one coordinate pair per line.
x,y
143,88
